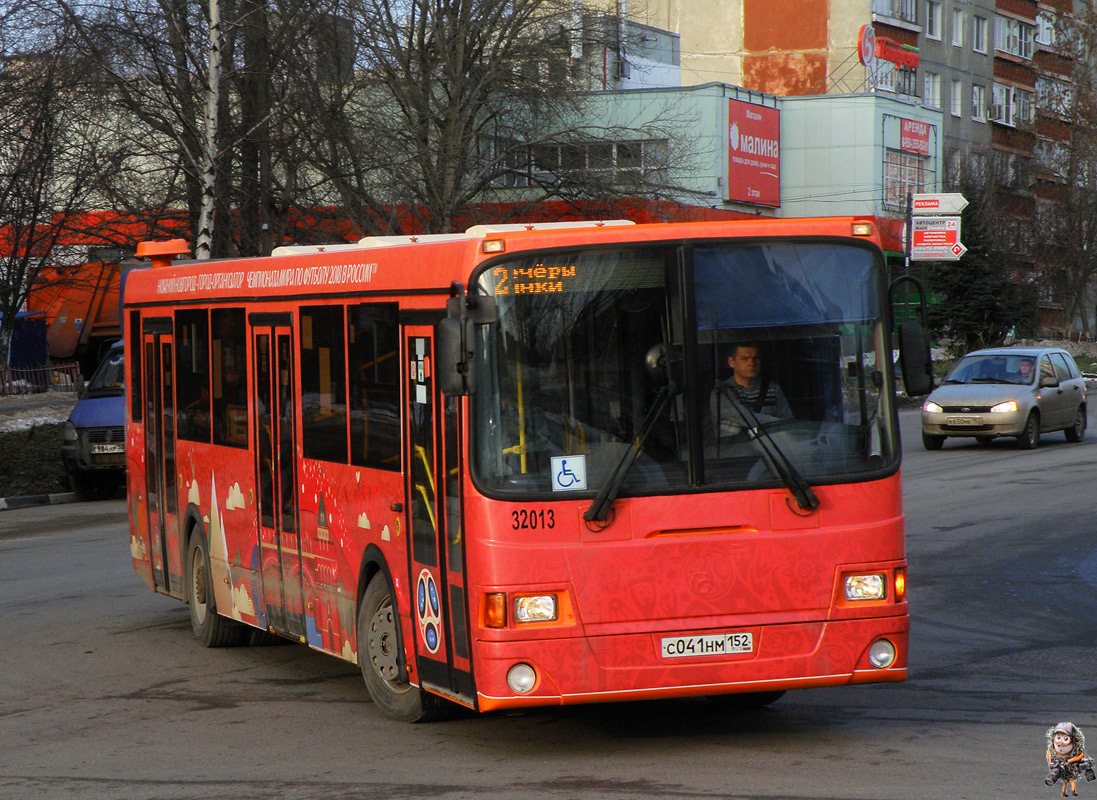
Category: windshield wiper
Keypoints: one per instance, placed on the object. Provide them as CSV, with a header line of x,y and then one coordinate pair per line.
x,y
775,459
599,509
990,380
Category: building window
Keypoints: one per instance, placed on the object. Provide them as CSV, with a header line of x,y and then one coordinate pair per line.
x,y
1014,37
979,103
1045,30
958,27
1054,95
932,98
979,34
933,20
615,162
956,105
1010,105
906,10
904,173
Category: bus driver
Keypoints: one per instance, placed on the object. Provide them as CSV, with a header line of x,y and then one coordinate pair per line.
x,y
751,388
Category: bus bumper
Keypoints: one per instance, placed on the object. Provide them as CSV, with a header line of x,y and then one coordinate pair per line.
x,y
633,666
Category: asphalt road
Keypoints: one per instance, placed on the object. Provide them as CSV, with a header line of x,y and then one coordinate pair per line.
x,y
104,693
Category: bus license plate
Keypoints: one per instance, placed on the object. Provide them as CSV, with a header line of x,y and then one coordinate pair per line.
x,y
965,421
720,644
100,449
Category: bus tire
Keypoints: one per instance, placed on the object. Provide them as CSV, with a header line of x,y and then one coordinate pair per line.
x,y
379,651
747,701
209,627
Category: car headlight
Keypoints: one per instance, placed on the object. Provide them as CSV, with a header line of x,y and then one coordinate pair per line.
x,y
68,432
931,407
1004,408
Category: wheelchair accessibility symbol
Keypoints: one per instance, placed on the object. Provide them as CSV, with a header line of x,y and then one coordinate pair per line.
x,y
569,473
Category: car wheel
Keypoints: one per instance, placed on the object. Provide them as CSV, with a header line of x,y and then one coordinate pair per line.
x,y
379,649
1030,436
1077,431
96,485
931,441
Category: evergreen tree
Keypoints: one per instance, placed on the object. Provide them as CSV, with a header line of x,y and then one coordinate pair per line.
x,y
980,297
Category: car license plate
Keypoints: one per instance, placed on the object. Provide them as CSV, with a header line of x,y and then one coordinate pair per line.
x,y
719,644
99,449
965,421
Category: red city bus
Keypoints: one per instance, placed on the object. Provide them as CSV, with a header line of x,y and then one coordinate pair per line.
x,y
539,490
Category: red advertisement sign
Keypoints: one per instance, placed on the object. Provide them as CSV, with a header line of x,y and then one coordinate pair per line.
x,y
754,157
914,137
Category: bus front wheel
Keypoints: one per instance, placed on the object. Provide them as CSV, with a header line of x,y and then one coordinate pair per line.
x,y
209,627
379,649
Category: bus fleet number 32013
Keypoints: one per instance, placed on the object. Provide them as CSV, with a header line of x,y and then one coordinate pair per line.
x,y
720,644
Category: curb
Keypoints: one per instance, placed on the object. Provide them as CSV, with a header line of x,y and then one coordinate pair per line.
x,y
38,500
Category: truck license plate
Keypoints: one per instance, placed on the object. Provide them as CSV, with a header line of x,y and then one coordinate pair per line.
x,y
720,644
100,449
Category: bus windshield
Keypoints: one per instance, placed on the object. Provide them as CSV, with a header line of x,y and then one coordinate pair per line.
x,y
774,353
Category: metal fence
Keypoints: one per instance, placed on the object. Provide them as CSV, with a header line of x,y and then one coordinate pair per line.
x,y
34,380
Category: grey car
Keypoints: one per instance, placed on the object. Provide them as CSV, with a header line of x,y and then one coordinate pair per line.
x,y
1007,391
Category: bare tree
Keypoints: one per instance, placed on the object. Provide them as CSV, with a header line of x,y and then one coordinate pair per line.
x,y
1066,220
49,163
450,110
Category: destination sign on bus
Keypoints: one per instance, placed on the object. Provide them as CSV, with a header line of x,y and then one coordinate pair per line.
x,y
537,279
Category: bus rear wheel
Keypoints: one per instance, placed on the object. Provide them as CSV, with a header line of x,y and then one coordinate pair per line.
x,y
209,627
379,649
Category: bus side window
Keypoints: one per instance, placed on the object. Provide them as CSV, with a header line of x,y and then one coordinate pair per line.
x,y
192,375
323,384
230,386
373,346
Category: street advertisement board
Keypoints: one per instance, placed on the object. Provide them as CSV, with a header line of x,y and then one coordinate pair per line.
x,y
754,158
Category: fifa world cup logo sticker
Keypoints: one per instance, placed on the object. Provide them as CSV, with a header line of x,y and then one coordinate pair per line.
x,y
426,601
1066,757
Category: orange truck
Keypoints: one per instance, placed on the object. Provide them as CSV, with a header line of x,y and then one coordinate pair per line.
x,y
81,307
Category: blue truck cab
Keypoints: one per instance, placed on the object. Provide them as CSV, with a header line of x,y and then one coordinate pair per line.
x,y
94,439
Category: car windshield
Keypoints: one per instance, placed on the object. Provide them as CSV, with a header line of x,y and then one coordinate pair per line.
x,y
109,377
994,368
610,360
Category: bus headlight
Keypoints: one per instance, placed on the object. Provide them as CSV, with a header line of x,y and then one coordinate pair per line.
x,y
535,608
866,587
521,678
882,654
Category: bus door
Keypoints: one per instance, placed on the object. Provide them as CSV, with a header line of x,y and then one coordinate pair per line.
x,y
160,472
439,590
275,471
